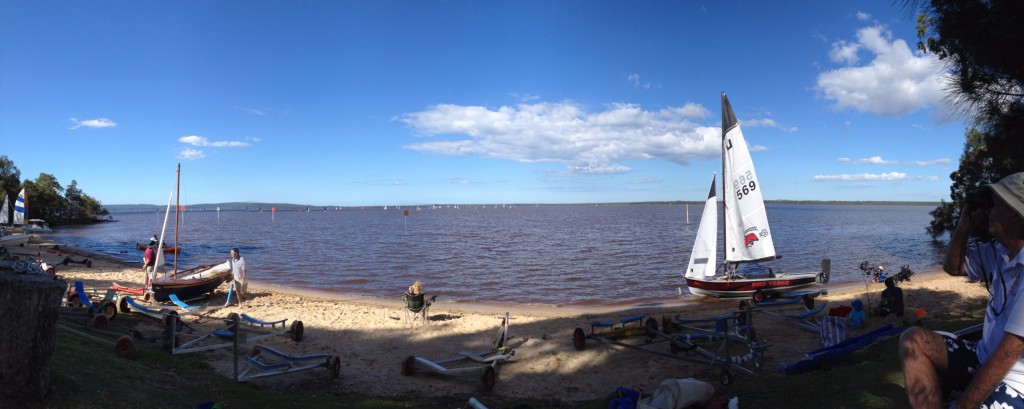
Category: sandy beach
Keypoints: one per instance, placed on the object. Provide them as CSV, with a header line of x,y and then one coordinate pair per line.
x,y
372,338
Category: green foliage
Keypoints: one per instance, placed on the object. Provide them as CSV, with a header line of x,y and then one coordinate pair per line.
x,y
47,199
972,38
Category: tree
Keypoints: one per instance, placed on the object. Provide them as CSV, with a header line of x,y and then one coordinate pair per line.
x,y
82,208
45,198
10,178
974,39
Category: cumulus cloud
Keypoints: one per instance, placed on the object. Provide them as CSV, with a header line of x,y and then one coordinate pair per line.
x,y
896,81
92,123
872,177
585,142
196,140
191,154
877,160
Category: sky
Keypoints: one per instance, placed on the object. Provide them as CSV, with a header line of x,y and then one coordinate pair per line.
x,y
359,103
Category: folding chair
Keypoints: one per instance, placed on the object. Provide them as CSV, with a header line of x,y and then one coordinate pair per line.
x,y
416,305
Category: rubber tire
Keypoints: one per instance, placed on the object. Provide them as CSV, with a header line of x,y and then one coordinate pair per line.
x,y
100,321
759,296
334,367
124,347
75,301
108,309
122,304
296,331
579,339
489,377
235,317
725,378
409,366
808,301
651,323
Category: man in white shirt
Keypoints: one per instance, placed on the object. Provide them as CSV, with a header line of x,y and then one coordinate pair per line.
x,y
237,264
940,370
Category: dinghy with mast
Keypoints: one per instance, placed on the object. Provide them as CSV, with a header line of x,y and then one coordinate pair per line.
x,y
747,236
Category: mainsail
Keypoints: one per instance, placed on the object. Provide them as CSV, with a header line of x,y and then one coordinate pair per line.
x,y
747,237
19,208
702,258
4,217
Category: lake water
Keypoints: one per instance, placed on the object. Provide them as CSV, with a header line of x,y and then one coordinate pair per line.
x,y
548,255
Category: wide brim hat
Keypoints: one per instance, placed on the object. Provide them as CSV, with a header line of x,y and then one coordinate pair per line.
x,y
1010,190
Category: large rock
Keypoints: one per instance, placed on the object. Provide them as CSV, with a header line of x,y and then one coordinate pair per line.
x,y
28,332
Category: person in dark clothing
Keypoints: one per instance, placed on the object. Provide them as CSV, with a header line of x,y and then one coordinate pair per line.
x,y
892,300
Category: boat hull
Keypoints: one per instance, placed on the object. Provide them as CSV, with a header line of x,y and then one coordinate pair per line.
x,y
14,239
172,250
746,287
192,283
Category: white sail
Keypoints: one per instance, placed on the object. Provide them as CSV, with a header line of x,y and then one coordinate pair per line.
x,y
4,217
19,208
747,236
702,258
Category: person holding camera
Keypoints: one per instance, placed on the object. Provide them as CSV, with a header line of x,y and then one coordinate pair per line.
x,y
939,368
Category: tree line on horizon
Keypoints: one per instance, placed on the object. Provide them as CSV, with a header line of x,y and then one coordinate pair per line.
x,y
47,199
974,39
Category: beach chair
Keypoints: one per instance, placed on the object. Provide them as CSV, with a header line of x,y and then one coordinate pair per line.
x,y
417,305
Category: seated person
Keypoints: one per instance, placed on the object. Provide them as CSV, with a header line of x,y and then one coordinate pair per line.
x,y
416,288
892,300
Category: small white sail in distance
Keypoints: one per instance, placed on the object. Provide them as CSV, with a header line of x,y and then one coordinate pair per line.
x,y
4,217
19,208
703,256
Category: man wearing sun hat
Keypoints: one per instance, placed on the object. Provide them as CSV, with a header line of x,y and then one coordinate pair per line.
x,y
943,370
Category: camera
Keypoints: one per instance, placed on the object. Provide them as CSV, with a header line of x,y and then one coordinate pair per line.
x,y
980,199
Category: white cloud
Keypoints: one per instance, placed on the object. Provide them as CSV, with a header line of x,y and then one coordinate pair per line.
x,y
766,123
872,177
877,160
635,80
897,80
191,154
585,142
874,160
92,123
862,16
196,140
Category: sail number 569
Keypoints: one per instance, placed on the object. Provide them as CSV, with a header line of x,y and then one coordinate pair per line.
x,y
744,185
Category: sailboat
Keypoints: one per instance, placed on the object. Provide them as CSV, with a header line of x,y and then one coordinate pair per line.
x,y
188,284
7,238
747,236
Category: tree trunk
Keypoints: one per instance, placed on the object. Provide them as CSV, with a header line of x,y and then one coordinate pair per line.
x,y
28,333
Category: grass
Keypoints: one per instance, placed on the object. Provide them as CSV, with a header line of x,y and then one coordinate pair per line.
x,y
87,375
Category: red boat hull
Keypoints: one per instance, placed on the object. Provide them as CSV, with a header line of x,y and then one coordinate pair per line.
x,y
742,288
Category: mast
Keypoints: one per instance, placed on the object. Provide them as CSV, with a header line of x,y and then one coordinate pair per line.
x,y
177,196
726,122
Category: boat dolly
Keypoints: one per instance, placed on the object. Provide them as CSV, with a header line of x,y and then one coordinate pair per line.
x,y
499,353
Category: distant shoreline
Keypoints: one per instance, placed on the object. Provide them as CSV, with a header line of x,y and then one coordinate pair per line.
x,y
290,207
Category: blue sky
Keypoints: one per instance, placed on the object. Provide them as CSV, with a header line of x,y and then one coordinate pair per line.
x,y
356,103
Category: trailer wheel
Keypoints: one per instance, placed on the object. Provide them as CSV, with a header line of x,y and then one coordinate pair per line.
x,y
725,377
122,304
651,323
334,367
296,331
124,347
759,296
109,309
74,300
489,377
579,339
234,317
100,321
409,366
808,301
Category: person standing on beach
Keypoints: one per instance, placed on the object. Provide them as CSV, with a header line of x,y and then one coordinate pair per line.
x,y
237,264
943,371
149,261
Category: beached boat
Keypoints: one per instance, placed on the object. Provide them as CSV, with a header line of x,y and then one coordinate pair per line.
x,y
8,239
747,236
192,283
172,249
188,284
36,226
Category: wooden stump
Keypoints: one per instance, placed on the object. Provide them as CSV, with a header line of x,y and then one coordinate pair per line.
x,y
28,333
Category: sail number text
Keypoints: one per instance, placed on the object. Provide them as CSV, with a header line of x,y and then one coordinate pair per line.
x,y
744,185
